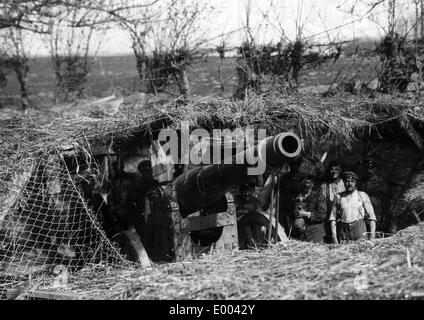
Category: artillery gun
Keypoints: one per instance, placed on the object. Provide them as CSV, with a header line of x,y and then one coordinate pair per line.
x,y
202,204
196,210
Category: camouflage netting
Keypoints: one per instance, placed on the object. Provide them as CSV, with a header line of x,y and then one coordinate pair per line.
x,y
45,222
45,219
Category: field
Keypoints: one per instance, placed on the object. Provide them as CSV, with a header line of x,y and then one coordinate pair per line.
x,y
109,73
118,72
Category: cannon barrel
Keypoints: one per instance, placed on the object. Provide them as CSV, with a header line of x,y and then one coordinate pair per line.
x,y
202,187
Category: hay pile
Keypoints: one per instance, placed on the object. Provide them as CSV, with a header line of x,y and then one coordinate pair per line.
x,y
335,118
389,268
283,271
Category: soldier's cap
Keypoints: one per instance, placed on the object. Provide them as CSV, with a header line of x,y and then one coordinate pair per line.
x,y
144,164
307,177
350,174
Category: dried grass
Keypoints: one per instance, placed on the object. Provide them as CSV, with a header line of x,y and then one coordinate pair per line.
x,y
416,192
313,118
388,268
293,270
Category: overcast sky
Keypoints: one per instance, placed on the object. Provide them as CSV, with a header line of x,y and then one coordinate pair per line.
x,y
322,21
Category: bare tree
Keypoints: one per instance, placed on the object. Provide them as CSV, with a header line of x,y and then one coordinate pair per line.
x,y
221,48
134,18
249,54
71,40
182,42
391,16
277,64
70,28
32,15
418,22
166,38
35,15
401,59
422,18
17,17
14,56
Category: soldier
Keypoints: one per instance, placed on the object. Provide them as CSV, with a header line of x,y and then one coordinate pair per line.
x,y
349,211
125,197
289,189
309,213
155,220
378,190
333,186
245,201
250,231
146,186
123,203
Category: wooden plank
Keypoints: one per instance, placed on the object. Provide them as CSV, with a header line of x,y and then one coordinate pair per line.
x,y
135,240
210,221
184,245
63,295
182,241
229,236
415,214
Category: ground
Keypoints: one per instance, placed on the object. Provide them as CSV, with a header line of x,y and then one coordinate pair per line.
x,y
390,268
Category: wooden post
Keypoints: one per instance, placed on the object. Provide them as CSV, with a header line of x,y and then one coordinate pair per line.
x,y
415,214
271,210
134,238
182,241
229,236
277,209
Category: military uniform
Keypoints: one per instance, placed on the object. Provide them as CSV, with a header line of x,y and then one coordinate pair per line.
x,y
289,189
310,229
249,221
157,233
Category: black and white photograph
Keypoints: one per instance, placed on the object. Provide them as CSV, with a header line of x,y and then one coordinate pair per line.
x,y
227,151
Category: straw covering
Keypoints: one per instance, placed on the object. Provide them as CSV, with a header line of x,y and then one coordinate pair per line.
x,y
389,268
45,220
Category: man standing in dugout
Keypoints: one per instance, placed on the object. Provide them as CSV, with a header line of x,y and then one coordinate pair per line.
x,y
155,219
309,213
334,185
378,191
349,211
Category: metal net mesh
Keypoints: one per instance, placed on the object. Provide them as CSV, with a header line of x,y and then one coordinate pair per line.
x,y
45,221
